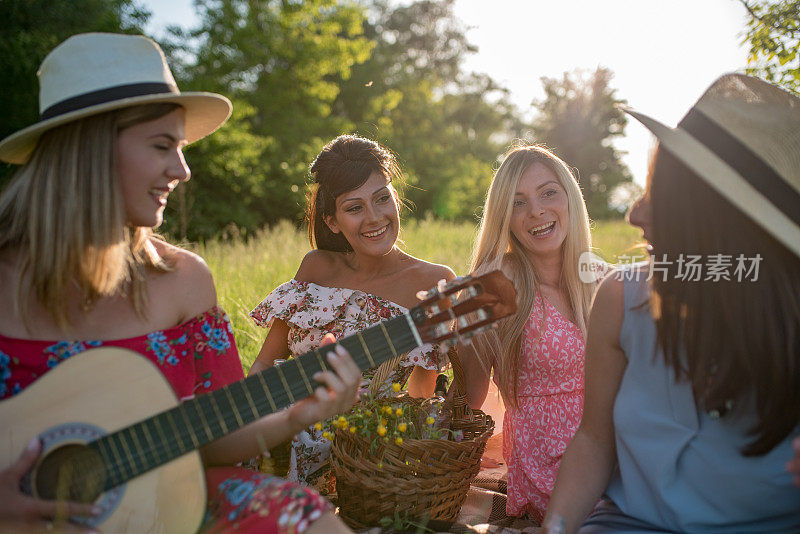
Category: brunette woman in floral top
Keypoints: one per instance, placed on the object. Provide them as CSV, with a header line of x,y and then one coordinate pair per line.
x,y
81,268
356,276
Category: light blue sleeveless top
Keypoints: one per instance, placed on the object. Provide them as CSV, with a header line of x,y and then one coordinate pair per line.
x,y
680,468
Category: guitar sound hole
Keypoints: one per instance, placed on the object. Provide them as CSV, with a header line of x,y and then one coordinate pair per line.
x,y
72,472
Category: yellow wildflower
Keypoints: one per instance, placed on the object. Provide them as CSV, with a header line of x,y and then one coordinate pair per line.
x,y
381,430
399,412
368,412
396,387
402,427
318,426
342,422
352,430
327,435
383,421
398,440
430,420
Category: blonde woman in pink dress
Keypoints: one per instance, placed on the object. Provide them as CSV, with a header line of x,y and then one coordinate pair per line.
x,y
535,228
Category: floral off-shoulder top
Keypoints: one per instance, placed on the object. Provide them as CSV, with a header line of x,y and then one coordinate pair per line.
x,y
196,356
311,311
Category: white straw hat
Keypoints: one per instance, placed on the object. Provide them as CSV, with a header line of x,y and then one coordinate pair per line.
x,y
92,73
743,138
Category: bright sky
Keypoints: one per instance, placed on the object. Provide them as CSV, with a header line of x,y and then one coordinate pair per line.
x,y
663,53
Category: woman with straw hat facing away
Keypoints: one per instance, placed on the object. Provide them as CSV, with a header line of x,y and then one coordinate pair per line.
x,y
82,268
693,376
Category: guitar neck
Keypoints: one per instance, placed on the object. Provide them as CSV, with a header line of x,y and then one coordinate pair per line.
x,y
159,439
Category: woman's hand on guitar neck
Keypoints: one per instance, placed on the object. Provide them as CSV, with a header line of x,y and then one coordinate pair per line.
x,y
339,390
29,513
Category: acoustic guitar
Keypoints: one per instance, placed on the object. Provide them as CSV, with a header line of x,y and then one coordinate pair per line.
x,y
113,432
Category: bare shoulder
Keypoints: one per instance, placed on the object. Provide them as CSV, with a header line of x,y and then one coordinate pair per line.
x,y
189,284
606,316
318,266
426,273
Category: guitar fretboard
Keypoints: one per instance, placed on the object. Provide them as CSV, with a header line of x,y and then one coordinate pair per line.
x,y
159,439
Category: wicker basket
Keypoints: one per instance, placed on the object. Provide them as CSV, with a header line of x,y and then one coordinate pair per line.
x,y
418,478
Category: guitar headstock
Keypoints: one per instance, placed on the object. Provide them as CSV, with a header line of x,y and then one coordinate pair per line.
x,y
457,310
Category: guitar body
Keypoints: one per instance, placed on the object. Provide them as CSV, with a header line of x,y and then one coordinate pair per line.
x,y
93,394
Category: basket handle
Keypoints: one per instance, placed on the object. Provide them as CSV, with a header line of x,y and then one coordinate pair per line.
x,y
382,373
457,393
458,387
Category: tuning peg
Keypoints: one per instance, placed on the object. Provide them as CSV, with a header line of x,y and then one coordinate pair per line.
x,y
440,330
472,291
458,280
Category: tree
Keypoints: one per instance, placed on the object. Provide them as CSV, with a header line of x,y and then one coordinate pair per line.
x,y
30,29
579,121
282,62
446,126
773,31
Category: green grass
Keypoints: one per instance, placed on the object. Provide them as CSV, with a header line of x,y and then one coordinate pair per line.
x,y
246,271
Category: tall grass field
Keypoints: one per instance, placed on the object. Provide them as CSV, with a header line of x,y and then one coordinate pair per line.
x,y
246,271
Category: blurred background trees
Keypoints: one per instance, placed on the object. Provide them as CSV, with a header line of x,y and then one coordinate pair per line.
x,y
301,73
773,33
579,121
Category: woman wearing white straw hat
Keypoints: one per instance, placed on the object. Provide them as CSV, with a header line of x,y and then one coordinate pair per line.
x,y
693,377
81,268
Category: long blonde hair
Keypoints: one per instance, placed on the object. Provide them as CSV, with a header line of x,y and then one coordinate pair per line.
x,y
497,248
64,215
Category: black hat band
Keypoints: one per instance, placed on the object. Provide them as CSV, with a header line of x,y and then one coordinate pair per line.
x,y
109,94
745,162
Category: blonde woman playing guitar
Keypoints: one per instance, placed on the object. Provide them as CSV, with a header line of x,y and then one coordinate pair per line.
x,y
81,268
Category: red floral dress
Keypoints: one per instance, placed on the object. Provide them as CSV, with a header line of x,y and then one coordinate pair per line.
x,y
311,311
550,404
196,357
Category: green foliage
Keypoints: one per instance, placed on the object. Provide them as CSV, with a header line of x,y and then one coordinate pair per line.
x,y
447,127
579,121
30,29
301,73
229,182
282,62
773,32
405,522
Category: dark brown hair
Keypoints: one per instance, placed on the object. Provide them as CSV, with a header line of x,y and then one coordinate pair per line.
x,y
343,164
733,340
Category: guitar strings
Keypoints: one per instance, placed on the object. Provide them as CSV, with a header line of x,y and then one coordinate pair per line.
x,y
128,463
280,397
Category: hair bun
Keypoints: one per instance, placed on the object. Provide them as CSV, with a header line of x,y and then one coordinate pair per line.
x,y
344,164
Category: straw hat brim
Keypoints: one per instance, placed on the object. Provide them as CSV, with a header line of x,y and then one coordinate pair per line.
x,y
205,112
723,178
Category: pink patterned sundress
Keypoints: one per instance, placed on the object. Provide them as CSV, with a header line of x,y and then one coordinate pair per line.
x,y
550,404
